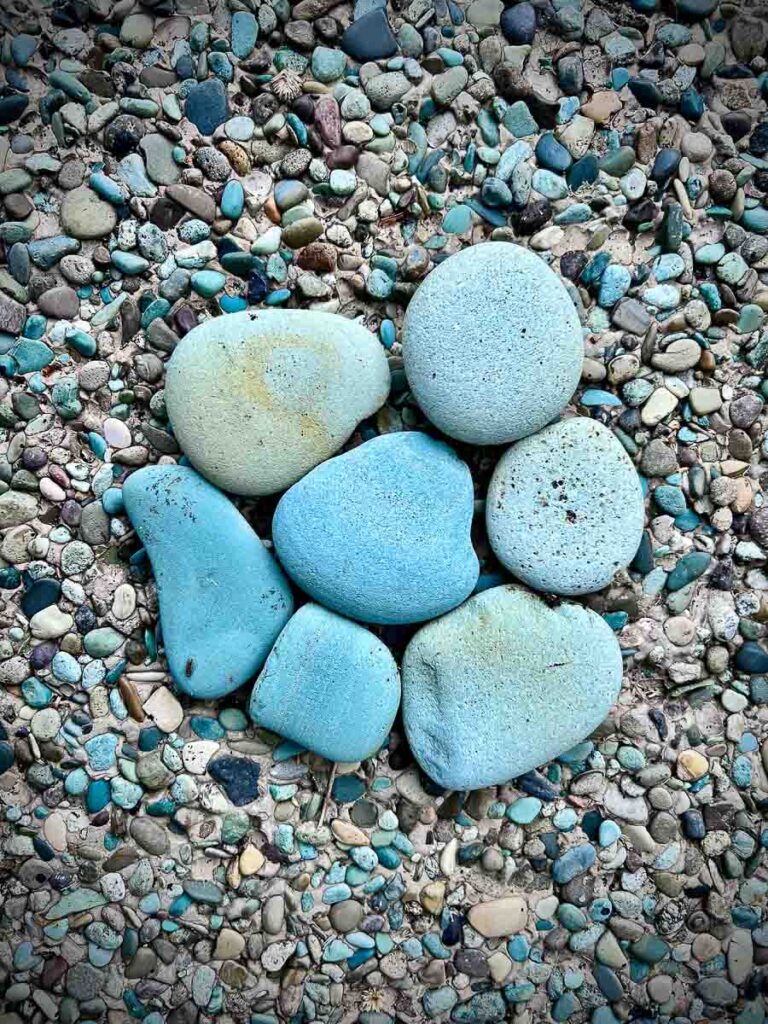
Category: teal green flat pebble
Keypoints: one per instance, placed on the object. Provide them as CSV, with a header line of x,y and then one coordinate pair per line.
x,y
688,569
327,64
609,832
125,794
388,857
76,782
565,820
457,220
751,319
208,283
102,642
232,200
524,810
631,758
233,304
336,893
571,917
233,720
129,262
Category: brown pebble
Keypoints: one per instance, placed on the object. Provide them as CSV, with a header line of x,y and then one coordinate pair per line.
x,y
131,699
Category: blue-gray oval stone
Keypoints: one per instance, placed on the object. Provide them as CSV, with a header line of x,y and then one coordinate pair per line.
x,y
492,344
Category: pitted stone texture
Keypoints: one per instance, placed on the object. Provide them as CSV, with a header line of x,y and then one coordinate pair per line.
x,y
565,508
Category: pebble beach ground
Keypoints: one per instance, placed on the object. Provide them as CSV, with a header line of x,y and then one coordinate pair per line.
x,y
165,858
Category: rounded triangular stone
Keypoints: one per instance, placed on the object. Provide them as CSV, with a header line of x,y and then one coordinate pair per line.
x,y
381,533
329,685
505,683
223,599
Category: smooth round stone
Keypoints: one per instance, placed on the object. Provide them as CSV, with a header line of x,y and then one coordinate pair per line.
x,y
492,344
505,683
329,685
565,508
84,215
256,400
382,533
223,599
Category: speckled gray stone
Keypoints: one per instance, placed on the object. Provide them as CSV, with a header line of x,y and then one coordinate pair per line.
x,y
565,508
257,399
492,344
503,684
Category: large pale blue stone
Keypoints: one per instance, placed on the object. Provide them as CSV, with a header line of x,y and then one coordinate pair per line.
x,y
492,343
381,533
329,685
258,398
565,508
223,599
505,683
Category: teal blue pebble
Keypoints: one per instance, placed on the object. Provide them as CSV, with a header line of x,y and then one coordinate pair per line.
x,y
329,685
381,533
223,599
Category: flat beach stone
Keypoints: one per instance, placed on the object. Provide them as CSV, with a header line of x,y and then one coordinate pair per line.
x,y
84,215
329,685
497,918
257,399
223,598
565,508
381,533
504,683
492,344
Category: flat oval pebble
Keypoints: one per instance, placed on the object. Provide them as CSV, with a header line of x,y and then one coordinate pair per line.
x,y
223,599
257,399
565,508
503,684
329,685
492,344
381,533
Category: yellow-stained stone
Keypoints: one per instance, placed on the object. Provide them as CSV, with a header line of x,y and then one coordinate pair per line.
x,y
691,765
251,861
499,965
348,833
432,897
498,918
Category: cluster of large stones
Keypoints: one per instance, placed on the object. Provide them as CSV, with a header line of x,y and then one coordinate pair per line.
x,y
262,402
